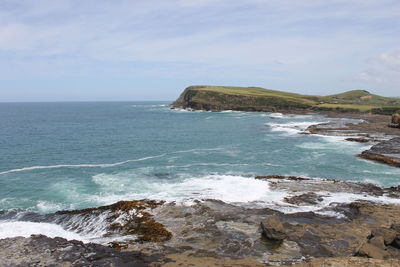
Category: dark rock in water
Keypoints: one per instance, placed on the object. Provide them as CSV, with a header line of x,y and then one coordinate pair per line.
x,y
293,178
272,229
39,250
359,140
385,152
304,199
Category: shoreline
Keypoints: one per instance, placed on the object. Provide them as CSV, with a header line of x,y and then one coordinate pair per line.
x,y
157,233
357,223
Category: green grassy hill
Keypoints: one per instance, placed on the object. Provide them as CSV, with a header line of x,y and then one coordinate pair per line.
x,y
259,99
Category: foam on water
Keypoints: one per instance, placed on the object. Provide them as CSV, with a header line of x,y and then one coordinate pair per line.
x,y
26,229
291,128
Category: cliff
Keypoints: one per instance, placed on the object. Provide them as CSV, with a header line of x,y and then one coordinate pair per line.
x,y
218,98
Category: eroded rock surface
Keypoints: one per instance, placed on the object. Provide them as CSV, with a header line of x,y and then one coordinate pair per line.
x,y
40,250
341,233
384,152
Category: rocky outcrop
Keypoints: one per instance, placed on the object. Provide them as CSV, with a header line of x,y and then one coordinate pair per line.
x,y
39,250
211,230
395,121
348,262
272,229
195,98
125,218
387,152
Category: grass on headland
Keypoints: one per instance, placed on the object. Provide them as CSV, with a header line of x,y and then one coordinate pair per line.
x,y
356,100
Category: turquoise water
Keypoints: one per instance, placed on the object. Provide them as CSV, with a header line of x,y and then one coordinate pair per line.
x,y
74,155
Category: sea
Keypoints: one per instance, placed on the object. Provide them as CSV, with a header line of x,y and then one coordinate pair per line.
x,y
64,156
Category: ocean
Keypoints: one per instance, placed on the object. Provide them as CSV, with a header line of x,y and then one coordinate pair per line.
x,y
57,156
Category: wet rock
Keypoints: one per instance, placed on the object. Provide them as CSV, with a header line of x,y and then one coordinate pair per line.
x,y
387,152
119,245
39,250
272,228
292,178
124,218
309,198
359,140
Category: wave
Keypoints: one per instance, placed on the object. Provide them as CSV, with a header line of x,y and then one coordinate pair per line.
x,y
291,127
105,165
10,229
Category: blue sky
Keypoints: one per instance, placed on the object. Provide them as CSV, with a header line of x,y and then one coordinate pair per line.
x,y
98,50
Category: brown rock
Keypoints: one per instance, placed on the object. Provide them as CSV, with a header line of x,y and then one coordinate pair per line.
x,y
396,119
348,262
371,251
272,228
388,235
378,241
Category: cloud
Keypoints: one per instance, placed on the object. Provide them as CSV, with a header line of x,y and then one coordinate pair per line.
x,y
382,70
320,42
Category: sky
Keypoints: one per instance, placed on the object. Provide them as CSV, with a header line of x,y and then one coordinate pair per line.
x,y
103,50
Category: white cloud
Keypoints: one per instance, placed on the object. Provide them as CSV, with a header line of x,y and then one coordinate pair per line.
x,y
319,42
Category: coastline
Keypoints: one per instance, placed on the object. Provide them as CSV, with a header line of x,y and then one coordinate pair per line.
x,y
342,230
356,222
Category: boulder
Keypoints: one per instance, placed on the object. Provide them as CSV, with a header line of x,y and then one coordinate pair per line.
x,y
371,251
396,118
272,228
389,235
395,121
378,241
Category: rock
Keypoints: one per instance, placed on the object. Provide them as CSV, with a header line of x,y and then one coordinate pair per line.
x,y
348,262
387,152
274,176
396,242
272,228
124,218
119,245
378,241
388,235
395,227
309,198
359,140
371,251
39,250
395,121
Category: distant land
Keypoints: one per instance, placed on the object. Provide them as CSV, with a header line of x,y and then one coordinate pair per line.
x,y
219,98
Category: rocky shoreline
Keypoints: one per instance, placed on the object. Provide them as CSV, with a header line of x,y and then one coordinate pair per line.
x,y
374,129
362,228
318,222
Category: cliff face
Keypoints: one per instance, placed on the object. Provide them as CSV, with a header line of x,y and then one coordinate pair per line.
x,y
217,98
195,98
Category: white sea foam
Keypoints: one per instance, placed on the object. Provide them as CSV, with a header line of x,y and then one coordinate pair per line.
x,y
26,229
233,189
291,127
46,206
105,165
